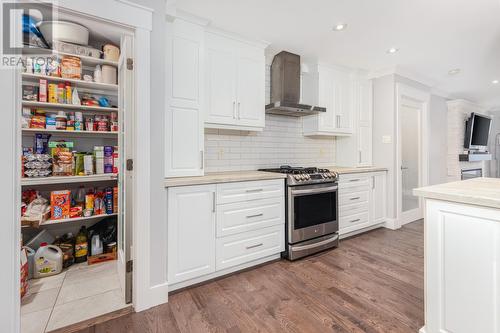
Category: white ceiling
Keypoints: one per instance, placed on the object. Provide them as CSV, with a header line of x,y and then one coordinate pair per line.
x,y
433,36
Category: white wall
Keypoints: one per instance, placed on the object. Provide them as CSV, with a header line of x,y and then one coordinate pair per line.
x,y
438,115
494,146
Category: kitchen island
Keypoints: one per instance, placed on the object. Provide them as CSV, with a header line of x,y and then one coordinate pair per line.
x,y
462,256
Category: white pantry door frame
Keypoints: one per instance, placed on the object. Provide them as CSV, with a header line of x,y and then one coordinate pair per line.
x,y
412,97
138,18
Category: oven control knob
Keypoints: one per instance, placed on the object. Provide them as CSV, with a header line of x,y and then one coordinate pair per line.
x,y
308,177
297,177
302,177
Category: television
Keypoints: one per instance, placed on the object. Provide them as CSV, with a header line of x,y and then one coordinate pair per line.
x,y
477,132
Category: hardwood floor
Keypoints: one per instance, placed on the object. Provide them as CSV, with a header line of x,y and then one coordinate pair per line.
x,y
371,283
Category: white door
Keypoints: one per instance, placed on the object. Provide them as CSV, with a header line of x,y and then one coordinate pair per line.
x,y
364,104
191,232
411,162
221,86
251,92
126,173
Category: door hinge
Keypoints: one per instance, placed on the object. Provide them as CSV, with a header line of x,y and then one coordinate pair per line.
x,y
130,63
130,164
130,266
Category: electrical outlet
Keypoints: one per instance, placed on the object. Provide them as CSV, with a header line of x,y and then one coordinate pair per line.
x,y
386,139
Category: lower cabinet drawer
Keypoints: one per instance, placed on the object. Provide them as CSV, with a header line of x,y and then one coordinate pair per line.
x,y
242,248
357,208
249,215
353,220
352,198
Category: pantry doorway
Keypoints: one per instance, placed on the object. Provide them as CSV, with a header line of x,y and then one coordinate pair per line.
x,y
123,26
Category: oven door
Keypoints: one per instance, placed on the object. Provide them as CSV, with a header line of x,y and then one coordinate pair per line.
x,y
312,211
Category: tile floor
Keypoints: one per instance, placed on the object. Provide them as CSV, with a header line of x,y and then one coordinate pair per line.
x,y
79,293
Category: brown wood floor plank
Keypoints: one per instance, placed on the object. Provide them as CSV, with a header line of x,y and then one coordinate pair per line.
x,y
372,283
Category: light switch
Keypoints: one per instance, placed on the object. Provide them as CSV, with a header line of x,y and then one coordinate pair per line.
x,y
386,139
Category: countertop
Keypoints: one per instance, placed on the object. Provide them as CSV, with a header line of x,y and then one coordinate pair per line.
x,y
223,177
346,170
476,191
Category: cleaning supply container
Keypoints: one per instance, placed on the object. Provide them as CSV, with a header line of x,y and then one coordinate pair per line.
x,y
48,261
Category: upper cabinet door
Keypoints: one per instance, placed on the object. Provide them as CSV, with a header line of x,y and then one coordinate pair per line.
x,y
327,99
235,84
184,147
251,91
343,101
221,81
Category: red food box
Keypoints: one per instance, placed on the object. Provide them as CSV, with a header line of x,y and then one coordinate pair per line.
x,y
60,204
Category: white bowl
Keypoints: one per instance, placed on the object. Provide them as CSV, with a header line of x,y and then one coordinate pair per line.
x,y
64,31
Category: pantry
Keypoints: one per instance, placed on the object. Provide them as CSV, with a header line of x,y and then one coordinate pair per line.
x,y
76,128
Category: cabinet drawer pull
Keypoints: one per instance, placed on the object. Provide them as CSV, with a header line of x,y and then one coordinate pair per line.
x,y
254,246
255,190
354,180
256,215
356,220
356,198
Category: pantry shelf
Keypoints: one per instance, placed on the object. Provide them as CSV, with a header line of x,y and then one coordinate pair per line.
x,y
67,106
75,134
91,61
74,82
76,219
68,179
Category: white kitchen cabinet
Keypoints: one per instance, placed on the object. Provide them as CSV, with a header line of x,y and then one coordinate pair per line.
x,y
191,232
217,229
235,83
184,130
356,150
379,197
362,201
335,93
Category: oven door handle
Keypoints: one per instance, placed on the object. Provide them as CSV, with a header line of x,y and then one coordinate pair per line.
x,y
315,190
311,246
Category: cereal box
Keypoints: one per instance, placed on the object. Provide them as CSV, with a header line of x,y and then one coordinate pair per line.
x,y
60,202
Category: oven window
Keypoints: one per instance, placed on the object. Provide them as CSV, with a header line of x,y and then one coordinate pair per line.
x,y
314,209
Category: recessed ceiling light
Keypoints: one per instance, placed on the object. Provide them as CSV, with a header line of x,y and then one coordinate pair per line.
x,y
340,27
495,81
454,71
392,50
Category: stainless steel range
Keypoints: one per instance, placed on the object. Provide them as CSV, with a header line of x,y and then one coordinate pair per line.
x,y
312,210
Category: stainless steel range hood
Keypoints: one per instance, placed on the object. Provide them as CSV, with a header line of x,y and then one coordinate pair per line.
x,y
285,87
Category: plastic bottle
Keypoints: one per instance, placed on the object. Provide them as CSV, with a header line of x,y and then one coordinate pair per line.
x,y
80,197
96,247
81,245
48,261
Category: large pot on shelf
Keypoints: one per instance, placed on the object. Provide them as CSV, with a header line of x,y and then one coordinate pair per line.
x,y
64,31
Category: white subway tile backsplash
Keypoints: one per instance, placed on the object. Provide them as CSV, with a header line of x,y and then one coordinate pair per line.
x,y
281,142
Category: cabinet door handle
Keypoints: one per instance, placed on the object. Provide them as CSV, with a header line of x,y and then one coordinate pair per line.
x,y
256,215
255,190
356,220
202,162
373,182
360,156
254,246
234,109
338,121
213,202
355,198
239,116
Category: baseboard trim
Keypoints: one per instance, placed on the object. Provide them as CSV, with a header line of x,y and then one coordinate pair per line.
x,y
360,231
393,224
422,330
